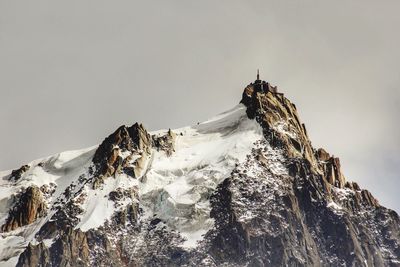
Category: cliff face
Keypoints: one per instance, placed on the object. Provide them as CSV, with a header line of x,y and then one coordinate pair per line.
x,y
306,214
246,188
28,207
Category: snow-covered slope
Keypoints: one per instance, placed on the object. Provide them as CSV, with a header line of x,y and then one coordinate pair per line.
x,y
175,188
53,174
245,188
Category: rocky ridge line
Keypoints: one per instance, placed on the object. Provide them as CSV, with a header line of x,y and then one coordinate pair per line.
x,y
127,151
288,204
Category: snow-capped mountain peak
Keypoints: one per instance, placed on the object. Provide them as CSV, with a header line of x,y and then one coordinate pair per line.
x,y
245,188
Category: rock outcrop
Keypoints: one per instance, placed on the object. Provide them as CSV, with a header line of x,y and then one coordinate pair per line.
x,y
126,150
165,142
28,206
284,203
38,255
311,220
16,174
135,140
71,249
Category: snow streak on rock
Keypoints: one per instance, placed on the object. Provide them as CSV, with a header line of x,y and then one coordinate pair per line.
x,y
53,175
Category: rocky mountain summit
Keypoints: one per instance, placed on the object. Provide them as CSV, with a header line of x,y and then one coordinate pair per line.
x,y
245,188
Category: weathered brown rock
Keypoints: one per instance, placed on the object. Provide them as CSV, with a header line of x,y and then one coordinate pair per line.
x,y
322,155
356,186
273,109
333,173
284,205
70,249
369,199
134,139
339,235
28,207
106,154
38,255
140,137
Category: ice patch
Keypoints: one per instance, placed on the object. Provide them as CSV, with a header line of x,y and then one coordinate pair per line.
x,y
342,194
335,207
283,127
97,206
176,189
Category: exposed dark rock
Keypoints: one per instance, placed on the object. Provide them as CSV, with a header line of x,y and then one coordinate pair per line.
x,y
333,173
16,174
70,249
128,215
322,155
129,171
165,142
287,204
107,160
28,207
338,229
121,193
38,255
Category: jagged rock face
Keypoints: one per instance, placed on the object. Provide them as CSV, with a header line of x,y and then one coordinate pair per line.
x,y
165,142
133,139
264,222
118,161
343,223
35,256
167,199
28,207
279,116
16,174
280,119
71,249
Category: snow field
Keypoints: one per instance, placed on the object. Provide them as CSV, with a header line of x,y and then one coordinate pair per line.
x,y
177,188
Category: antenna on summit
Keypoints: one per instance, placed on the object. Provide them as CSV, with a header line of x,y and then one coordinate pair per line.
x,y
258,74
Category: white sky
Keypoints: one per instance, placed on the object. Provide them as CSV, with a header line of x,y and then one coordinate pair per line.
x,y
71,72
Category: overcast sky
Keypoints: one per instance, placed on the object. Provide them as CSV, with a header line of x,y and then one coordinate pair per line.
x,y
71,72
